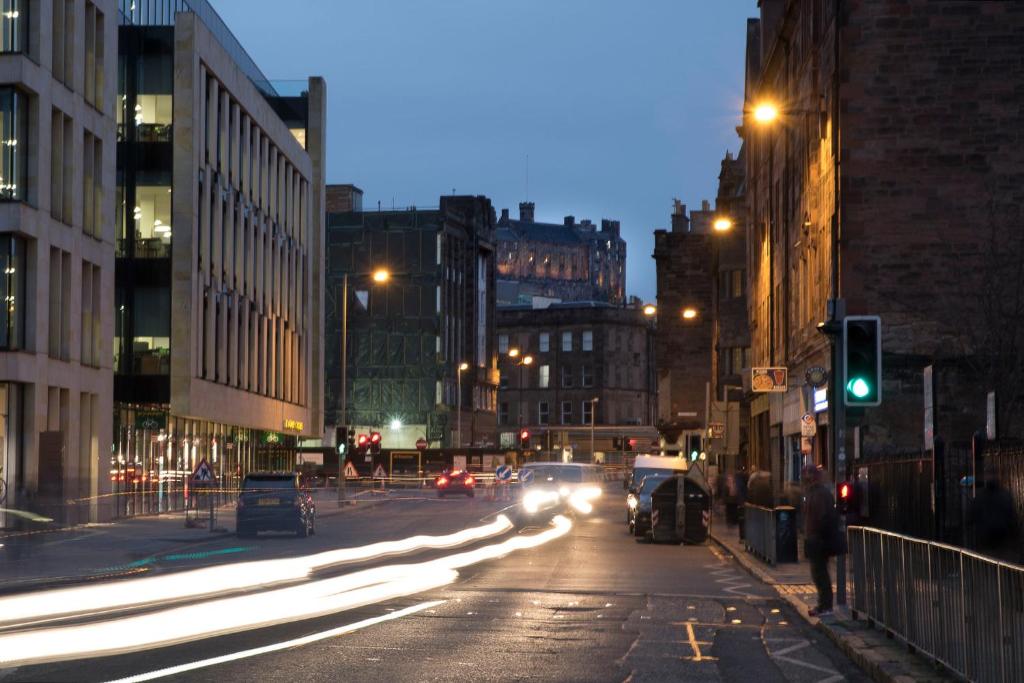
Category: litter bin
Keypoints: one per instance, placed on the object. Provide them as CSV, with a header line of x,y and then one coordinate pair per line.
x,y
664,511
785,533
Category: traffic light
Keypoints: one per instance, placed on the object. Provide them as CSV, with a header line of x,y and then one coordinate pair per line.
x,y
630,444
375,443
616,443
362,442
524,438
862,360
693,446
844,492
351,448
339,440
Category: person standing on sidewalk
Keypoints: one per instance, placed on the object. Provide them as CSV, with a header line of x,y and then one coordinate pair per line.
x,y
821,528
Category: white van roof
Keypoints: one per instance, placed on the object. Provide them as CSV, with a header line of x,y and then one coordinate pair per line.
x,y
661,462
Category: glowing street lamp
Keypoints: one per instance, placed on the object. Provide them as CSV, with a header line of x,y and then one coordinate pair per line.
x,y
513,352
689,313
650,310
381,275
458,408
766,112
722,224
527,360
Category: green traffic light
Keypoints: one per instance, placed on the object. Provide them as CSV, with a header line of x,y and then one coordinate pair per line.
x,y
693,456
858,387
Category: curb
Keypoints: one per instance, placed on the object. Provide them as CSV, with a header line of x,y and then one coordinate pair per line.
x,y
872,666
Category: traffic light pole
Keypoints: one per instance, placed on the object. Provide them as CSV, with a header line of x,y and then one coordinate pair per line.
x,y
837,431
342,416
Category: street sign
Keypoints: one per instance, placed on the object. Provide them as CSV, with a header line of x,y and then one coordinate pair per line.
x,y
768,379
717,430
421,444
202,473
350,471
808,427
816,376
379,473
525,476
503,473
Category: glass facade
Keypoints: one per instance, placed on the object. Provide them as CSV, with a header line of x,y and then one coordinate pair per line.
x,y
11,461
12,292
13,157
155,454
13,25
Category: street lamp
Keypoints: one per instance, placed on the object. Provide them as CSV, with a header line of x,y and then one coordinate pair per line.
x,y
513,352
381,275
766,112
593,419
458,403
522,362
650,310
722,224
689,313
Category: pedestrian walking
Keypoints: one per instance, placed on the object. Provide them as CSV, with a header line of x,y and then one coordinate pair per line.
x,y
994,519
822,537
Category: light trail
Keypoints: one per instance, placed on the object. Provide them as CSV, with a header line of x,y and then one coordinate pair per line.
x,y
46,605
246,612
276,647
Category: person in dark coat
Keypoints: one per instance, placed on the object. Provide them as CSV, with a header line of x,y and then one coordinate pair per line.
x,y
821,527
994,518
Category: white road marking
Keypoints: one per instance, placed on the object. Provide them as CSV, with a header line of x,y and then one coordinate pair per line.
x,y
295,642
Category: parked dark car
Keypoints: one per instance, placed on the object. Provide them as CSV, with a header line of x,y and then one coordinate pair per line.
x,y
274,501
459,481
638,505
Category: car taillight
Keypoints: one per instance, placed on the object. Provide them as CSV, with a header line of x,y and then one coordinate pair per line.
x,y
442,481
469,481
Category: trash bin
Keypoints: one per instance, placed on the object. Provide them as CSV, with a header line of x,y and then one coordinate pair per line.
x,y
696,517
785,534
664,511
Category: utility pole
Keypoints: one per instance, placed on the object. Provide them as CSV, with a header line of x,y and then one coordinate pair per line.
x,y
342,414
593,419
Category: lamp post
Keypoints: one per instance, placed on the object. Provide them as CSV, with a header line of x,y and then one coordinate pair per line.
x,y
458,402
593,419
522,361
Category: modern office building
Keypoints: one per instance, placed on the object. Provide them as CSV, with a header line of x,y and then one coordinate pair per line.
x,y
219,301
559,262
572,371
409,336
57,137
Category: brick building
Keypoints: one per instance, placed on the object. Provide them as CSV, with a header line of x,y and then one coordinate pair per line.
x,y
918,130
579,352
566,261
683,342
408,337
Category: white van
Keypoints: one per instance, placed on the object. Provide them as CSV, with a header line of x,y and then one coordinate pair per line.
x,y
645,465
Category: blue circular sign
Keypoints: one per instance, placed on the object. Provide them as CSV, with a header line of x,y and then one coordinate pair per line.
x,y
503,473
525,476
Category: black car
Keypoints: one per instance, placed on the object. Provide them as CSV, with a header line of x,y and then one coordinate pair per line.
x,y
458,481
639,504
273,501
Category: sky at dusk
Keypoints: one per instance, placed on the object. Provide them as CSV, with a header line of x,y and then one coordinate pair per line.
x,y
620,106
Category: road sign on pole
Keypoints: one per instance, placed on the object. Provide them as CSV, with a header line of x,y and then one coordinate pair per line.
x,y
525,476
350,471
503,473
202,473
379,473
421,444
808,427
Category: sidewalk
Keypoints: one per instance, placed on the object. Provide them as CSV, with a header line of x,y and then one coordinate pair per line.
x,y
884,659
50,557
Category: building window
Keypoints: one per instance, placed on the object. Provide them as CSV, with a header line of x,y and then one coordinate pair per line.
x,y
92,185
588,376
61,166
588,412
153,116
566,412
13,26
12,291
544,376
151,217
566,377
94,48
543,414
13,147
567,341
545,342
63,41
151,343
503,413
502,343
503,381
59,344
587,341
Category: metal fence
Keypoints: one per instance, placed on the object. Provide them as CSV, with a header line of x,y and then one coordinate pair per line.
x,y
963,609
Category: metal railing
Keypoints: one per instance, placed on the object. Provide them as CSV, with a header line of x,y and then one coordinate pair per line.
x,y
963,609
761,533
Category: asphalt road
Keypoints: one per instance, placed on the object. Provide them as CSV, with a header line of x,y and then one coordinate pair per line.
x,y
592,605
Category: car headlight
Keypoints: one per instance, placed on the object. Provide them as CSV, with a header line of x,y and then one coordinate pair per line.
x,y
535,499
631,502
564,491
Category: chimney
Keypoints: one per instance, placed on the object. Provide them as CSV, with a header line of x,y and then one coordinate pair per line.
x,y
705,205
610,227
526,212
680,222
504,217
570,221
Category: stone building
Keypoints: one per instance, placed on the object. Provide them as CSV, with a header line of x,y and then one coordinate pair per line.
x,y
545,262
893,176
57,104
578,352
409,336
219,291
683,343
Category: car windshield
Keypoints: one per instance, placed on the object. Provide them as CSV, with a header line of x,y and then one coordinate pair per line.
x,y
641,473
650,483
264,483
556,473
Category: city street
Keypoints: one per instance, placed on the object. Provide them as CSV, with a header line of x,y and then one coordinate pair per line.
x,y
589,605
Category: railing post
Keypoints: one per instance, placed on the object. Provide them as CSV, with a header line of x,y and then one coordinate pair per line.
x,y
1001,641
963,616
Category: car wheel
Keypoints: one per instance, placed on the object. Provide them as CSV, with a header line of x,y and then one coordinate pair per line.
x,y
471,494
245,531
303,530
